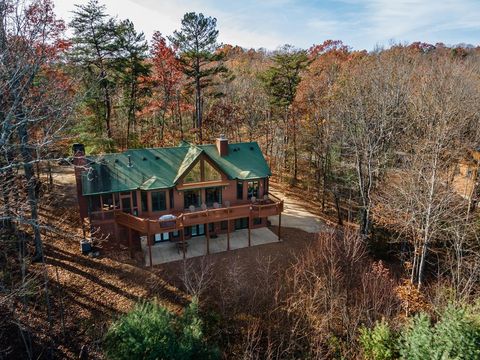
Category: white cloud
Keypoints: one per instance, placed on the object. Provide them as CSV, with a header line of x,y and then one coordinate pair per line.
x,y
271,23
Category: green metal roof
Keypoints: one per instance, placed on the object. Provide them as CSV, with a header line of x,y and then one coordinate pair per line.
x,y
161,168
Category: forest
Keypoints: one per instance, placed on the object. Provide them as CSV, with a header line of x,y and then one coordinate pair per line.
x,y
375,141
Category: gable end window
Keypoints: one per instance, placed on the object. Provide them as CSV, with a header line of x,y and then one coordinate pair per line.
x,y
210,174
194,175
202,171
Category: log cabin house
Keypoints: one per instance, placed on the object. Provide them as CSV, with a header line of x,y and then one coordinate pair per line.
x,y
466,177
174,193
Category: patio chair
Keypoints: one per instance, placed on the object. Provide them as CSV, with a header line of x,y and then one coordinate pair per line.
x,y
204,206
216,205
181,246
191,208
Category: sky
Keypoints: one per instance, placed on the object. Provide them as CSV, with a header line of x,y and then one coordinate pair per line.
x,y
361,24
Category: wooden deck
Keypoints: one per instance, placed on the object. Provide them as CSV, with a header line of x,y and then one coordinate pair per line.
x,y
260,209
149,226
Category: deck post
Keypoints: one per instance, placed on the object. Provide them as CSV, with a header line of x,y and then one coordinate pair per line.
x,y
130,242
249,226
183,242
149,242
228,235
279,224
207,233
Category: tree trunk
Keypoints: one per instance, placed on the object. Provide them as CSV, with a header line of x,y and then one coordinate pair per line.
x,y
295,150
428,222
198,102
31,187
108,110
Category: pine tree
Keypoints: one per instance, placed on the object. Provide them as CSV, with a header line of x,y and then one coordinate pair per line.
x,y
281,81
93,51
132,70
197,44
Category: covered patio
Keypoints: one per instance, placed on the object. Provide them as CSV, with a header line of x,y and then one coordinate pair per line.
x,y
167,251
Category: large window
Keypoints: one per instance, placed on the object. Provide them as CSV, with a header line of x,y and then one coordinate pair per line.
x,y
194,175
202,171
144,198
134,199
213,195
191,197
224,225
159,202
126,204
107,200
253,189
162,237
241,223
210,173
116,197
239,190
170,197
95,204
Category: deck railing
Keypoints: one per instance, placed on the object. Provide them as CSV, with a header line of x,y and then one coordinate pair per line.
x,y
263,208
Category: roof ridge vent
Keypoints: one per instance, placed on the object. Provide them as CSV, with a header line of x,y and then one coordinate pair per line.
x,y
129,161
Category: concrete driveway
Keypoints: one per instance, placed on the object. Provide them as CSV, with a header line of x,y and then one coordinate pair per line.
x,y
295,216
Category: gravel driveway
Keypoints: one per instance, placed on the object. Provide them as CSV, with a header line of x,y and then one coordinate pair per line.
x,y
295,216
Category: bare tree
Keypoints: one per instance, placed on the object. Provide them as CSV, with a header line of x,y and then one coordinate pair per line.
x,y
419,200
372,107
36,100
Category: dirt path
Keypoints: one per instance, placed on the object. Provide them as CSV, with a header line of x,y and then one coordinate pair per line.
x,y
296,216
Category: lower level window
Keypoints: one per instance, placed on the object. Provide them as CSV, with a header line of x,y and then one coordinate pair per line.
x,y
162,237
241,223
197,230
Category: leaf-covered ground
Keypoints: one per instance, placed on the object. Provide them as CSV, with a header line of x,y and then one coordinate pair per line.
x,y
85,294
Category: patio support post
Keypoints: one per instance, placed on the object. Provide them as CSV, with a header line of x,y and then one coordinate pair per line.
x,y
130,242
279,224
183,242
207,233
228,235
149,242
249,226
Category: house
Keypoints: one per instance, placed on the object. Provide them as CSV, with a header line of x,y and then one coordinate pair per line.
x,y
174,193
466,177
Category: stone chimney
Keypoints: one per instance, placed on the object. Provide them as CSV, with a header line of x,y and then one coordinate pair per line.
x,y
78,150
222,145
